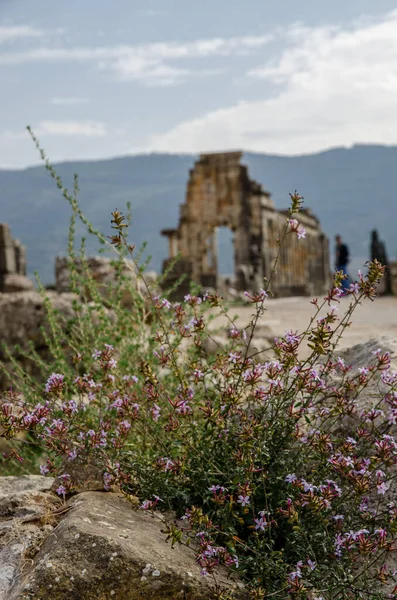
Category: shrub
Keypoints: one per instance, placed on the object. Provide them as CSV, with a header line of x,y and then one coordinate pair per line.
x,y
253,456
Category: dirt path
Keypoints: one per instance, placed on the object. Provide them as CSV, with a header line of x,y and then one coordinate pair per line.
x,y
371,319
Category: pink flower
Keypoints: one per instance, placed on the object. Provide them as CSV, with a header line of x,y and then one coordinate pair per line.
x,y
382,488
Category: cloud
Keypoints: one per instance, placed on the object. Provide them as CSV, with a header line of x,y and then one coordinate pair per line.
x,y
63,128
15,32
149,12
72,128
68,101
147,63
330,86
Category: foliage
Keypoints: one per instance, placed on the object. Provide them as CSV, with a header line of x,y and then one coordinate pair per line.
x,y
255,457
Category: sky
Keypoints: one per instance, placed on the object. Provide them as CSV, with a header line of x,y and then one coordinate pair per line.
x,y
103,78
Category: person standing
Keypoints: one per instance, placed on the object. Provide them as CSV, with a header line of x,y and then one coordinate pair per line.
x,y
342,260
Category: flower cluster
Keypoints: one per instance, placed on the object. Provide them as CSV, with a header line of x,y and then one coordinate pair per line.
x,y
282,469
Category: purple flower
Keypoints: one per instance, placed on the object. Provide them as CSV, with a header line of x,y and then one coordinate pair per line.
x,y
382,488
107,480
234,357
165,303
243,500
261,523
156,410
301,233
61,490
291,337
311,564
54,383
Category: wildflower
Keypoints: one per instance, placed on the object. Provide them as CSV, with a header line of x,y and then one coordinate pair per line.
x,y
44,469
363,370
150,504
291,478
291,337
216,488
261,523
156,410
256,297
61,490
382,488
192,300
243,500
124,427
354,288
107,480
164,303
301,233
234,357
55,383
72,454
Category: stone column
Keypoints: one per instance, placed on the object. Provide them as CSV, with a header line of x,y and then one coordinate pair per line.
x,y
20,257
7,251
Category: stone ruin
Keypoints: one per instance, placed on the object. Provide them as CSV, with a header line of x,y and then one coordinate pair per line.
x,y
220,193
12,263
378,252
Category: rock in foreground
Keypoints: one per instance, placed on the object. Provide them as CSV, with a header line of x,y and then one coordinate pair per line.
x,y
104,549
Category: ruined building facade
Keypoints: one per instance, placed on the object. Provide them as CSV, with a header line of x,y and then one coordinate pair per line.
x,y
220,193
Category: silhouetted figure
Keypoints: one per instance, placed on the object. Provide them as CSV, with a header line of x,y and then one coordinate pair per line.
x,y
378,252
342,259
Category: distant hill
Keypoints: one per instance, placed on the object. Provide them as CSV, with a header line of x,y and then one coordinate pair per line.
x,y
351,190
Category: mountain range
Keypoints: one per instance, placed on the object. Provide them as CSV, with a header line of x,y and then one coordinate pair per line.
x,y
351,190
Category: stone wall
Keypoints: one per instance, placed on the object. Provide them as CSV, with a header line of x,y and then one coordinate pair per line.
x,y
12,263
220,193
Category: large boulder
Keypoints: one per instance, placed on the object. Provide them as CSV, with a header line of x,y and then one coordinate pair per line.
x,y
105,549
15,282
360,356
104,275
24,503
22,316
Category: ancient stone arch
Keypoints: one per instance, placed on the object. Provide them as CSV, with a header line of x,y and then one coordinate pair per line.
x,y
220,193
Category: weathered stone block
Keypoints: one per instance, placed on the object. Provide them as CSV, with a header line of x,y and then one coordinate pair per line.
x,y
5,235
7,260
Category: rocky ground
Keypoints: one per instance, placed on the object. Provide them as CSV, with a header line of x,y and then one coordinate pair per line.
x,y
97,546
370,320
